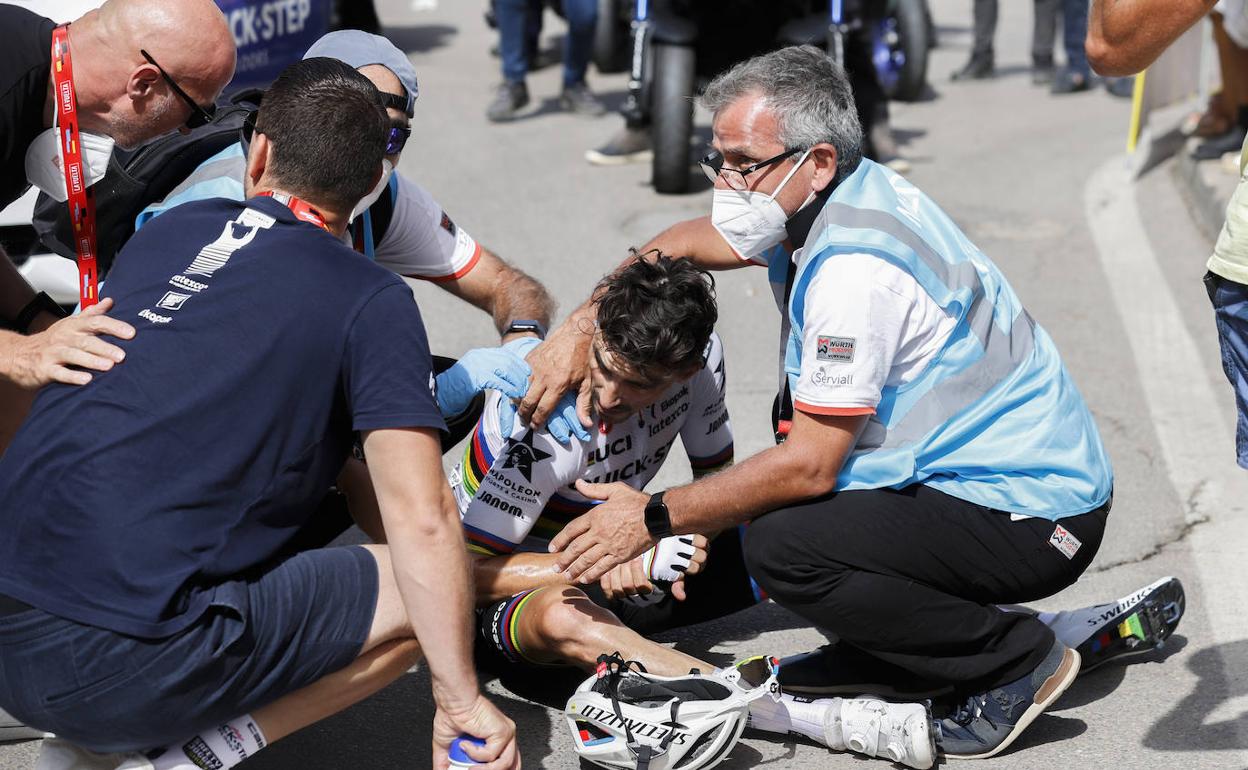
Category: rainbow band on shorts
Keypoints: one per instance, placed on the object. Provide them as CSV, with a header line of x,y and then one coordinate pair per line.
x,y
508,634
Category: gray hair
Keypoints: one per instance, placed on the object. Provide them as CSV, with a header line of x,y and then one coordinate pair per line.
x,y
809,95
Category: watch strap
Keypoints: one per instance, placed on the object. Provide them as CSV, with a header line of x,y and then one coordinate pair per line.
x,y
658,518
522,325
40,303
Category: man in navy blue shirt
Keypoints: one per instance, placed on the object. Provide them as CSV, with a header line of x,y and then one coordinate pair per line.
x,y
167,493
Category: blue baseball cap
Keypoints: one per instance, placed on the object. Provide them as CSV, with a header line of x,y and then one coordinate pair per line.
x,y
360,49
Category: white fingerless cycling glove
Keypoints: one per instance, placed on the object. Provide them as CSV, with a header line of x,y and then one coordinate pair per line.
x,y
668,560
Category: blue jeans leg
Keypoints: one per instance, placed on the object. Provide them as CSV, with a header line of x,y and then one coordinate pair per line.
x,y
515,23
1230,308
582,17
1074,30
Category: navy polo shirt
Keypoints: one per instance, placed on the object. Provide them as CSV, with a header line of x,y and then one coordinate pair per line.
x,y
263,344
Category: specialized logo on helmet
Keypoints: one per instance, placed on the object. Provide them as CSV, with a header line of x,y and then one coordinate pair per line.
x,y
637,726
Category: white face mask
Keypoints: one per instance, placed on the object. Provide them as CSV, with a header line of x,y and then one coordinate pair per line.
x,y
753,222
387,168
44,158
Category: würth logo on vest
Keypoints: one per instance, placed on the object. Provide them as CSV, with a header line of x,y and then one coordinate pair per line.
x,y
839,349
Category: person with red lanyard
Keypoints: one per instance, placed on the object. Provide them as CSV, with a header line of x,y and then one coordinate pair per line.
x,y
122,74
266,348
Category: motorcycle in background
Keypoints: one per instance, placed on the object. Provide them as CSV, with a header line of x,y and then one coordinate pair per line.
x,y
672,48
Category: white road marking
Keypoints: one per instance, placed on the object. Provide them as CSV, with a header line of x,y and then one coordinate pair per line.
x,y
1195,436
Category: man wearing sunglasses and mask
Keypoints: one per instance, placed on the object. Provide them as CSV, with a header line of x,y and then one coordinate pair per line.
x,y
402,227
122,97
939,459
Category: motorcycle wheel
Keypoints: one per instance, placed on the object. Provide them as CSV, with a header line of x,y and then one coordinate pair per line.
x,y
672,115
611,38
899,50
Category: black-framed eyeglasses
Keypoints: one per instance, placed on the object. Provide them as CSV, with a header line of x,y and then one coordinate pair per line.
x,y
396,137
200,116
248,129
713,166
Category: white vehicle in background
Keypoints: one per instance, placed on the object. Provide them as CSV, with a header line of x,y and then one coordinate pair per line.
x,y
47,272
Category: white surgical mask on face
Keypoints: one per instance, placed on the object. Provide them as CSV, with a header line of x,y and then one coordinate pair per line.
x,y
753,222
45,156
387,168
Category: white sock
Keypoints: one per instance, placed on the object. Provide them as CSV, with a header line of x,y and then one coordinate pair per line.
x,y
221,748
804,716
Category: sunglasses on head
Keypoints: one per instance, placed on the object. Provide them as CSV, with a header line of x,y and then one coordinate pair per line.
x,y
200,116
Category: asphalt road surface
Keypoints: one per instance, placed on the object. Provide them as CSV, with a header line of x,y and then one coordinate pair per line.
x,y
1109,267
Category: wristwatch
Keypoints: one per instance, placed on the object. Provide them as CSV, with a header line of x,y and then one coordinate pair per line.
x,y
41,303
527,325
658,519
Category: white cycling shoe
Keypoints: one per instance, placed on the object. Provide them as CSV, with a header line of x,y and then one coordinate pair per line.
x,y
898,732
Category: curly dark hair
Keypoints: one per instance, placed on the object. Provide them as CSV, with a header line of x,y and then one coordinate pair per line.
x,y
657,314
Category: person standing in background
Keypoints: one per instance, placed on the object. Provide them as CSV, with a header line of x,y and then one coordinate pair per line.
x,y
519,22
981,64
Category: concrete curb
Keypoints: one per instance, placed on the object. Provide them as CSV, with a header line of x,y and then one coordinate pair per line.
x,y
1205,196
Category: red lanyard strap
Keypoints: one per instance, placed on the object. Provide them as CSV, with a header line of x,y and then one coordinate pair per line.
x,y
301,209
81,199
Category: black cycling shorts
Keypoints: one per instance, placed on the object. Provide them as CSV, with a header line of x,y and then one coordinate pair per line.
x,y
723,588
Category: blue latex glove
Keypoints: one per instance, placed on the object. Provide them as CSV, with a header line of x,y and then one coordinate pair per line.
x,y
562,423
495,368
522,346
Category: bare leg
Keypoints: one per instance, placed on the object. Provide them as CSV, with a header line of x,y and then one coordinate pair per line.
x,y
369,673
390,650
562,625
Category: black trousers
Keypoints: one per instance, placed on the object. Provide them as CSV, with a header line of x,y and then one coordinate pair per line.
x,y
1044,32
985,28
910,577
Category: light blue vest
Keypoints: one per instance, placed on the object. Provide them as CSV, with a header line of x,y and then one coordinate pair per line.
x,y
995,418
221,176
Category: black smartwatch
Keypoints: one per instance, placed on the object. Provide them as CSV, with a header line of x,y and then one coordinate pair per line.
x,y
527,325
658,519
40,304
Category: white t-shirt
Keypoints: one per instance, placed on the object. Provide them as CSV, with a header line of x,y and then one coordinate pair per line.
x,y
866,324
422,241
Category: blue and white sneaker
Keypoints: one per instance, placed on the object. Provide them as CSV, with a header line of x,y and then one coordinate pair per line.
x,y
987,723
1137,623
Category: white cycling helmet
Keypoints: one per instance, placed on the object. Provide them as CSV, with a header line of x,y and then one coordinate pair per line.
x,y
626,719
